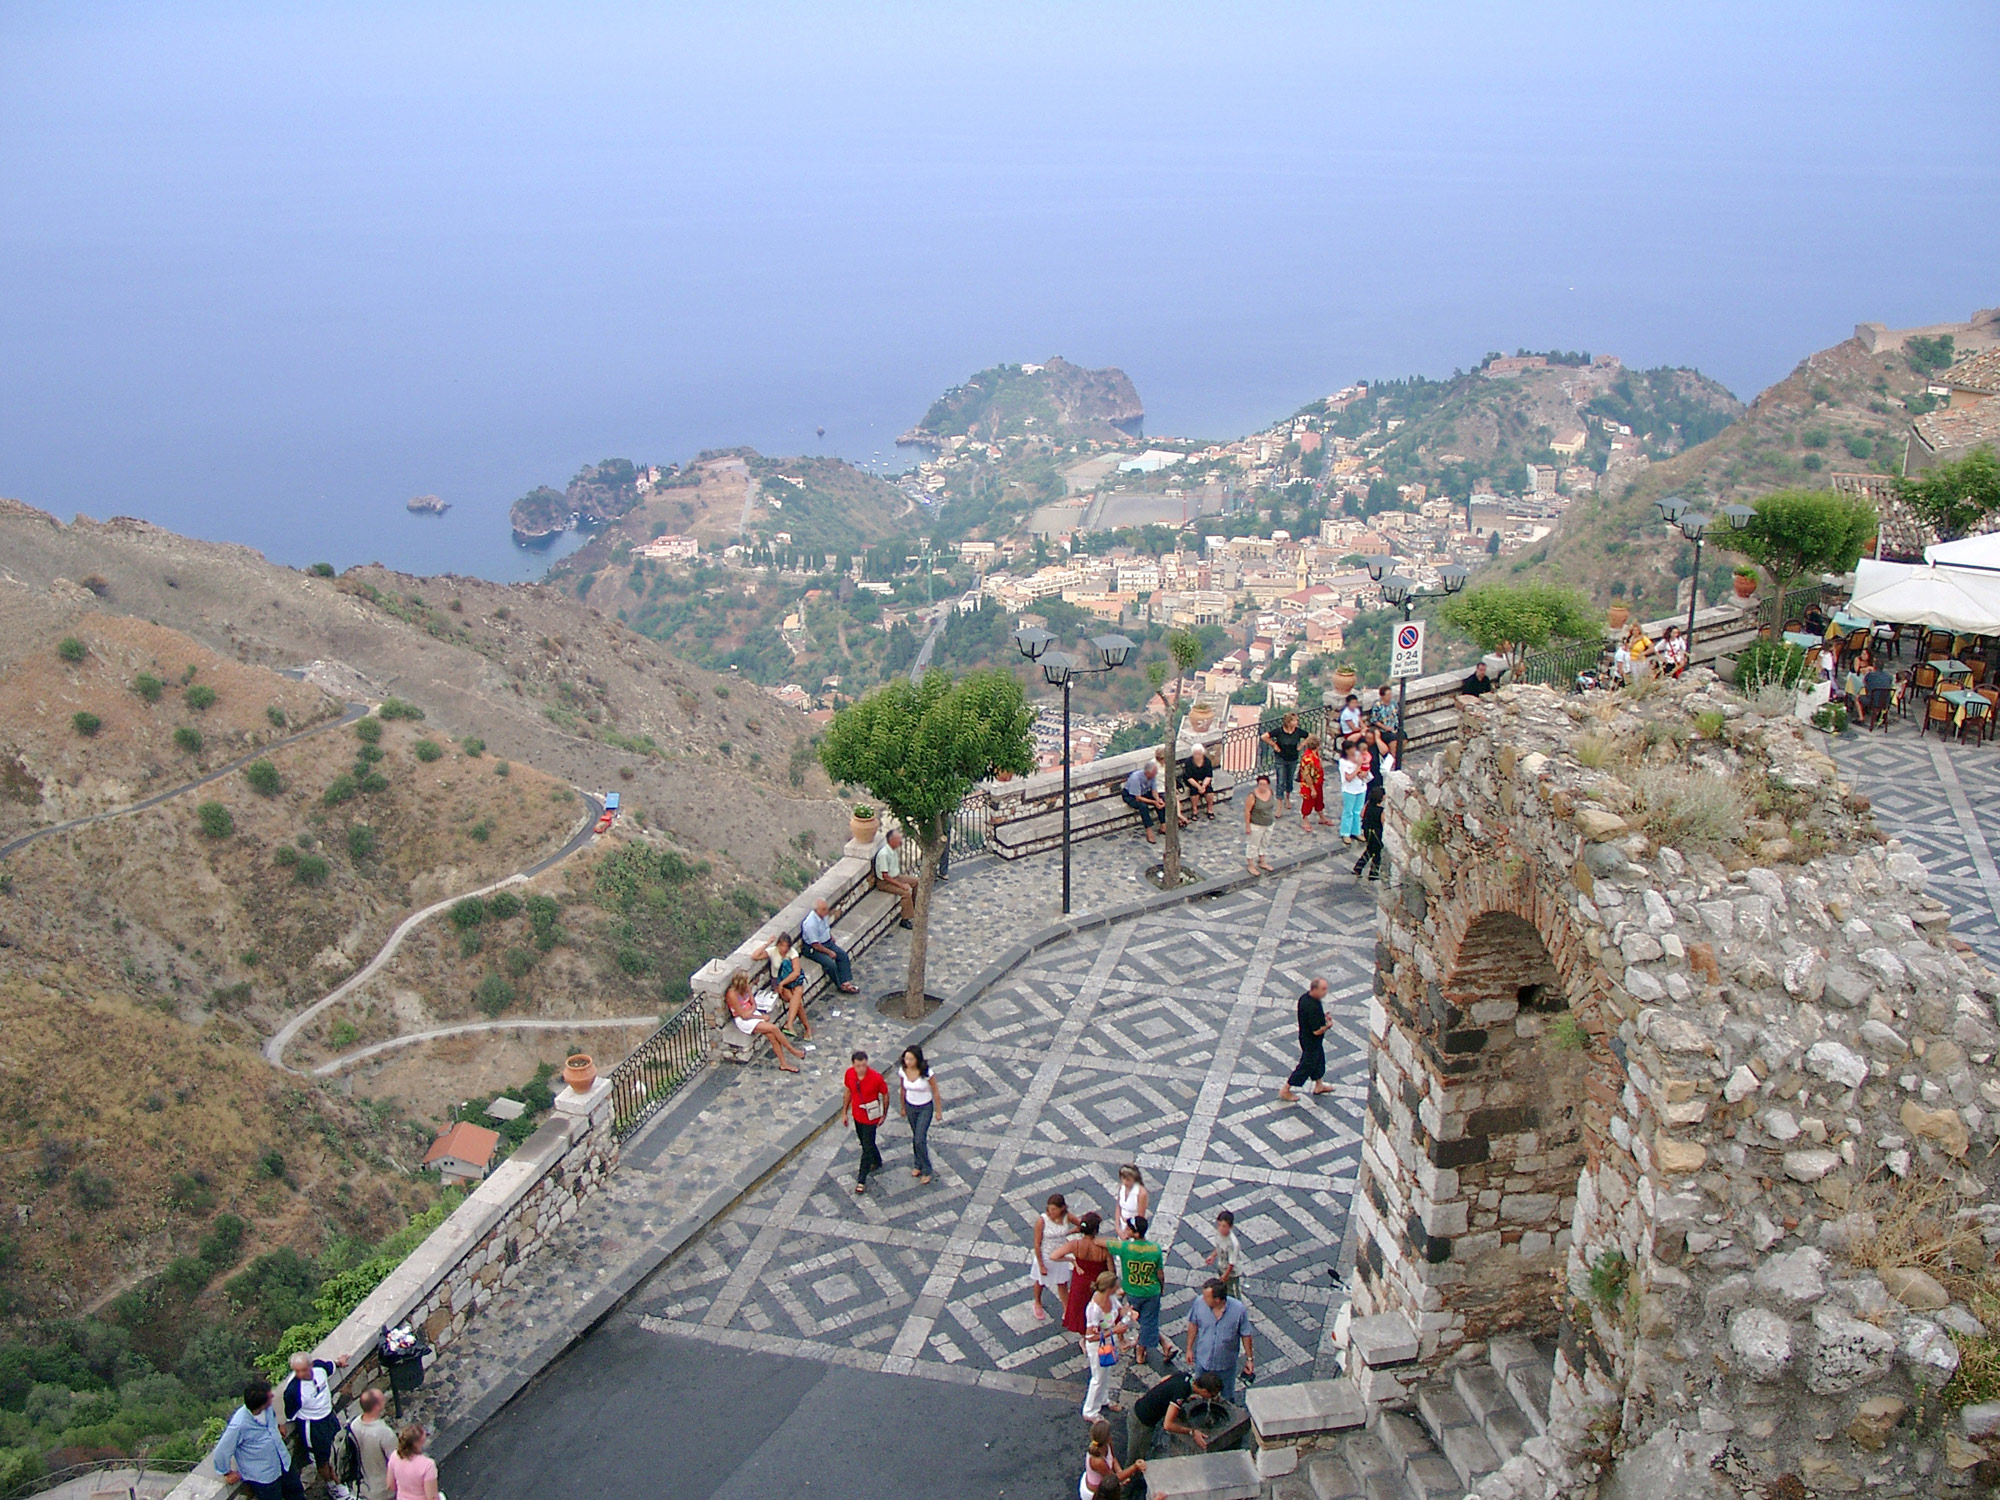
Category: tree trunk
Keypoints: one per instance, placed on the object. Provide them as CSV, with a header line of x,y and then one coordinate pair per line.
x,y
932,844
1170,852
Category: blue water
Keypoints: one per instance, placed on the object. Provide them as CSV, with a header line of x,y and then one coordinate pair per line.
x,y
267,275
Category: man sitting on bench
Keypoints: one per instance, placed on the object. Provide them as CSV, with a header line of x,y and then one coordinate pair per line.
x,y
889,876
816,936
1142,794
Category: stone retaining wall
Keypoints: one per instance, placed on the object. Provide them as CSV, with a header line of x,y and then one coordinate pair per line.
x,y
1659,1101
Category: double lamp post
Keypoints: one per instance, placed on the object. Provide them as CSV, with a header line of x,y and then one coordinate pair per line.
x,y
1400,592
1695,526
1060,669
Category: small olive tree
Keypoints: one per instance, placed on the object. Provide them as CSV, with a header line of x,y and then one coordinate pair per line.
x,y
1516,618
1796,532
1954,497
1186,651
919,747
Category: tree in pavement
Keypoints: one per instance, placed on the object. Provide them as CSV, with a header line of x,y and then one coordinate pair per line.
x,y
1954,497
919,747
1516,618
1186,651
1796,532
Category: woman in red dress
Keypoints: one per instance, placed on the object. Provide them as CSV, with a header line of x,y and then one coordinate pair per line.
x,y
1312,784
1087,1257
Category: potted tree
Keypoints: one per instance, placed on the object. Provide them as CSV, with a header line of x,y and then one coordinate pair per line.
x,y
1344,678
920,747
1745,582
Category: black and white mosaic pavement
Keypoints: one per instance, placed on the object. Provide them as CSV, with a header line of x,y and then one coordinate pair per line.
x,y
1160,1041
1943,800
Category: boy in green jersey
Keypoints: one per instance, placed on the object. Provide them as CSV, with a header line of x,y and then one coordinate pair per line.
x,y
1142,1277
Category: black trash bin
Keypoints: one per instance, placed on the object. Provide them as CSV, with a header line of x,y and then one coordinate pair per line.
x,y
404,1367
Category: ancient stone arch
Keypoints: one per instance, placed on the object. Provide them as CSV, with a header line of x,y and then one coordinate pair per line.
x,y
1638,1101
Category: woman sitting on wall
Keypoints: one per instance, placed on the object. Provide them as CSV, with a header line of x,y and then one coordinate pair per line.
x,y
741,1000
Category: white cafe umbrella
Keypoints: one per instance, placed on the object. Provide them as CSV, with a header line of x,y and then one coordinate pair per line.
x,y
1964,600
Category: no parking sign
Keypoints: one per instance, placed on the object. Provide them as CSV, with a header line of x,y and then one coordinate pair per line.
x,y
1407,657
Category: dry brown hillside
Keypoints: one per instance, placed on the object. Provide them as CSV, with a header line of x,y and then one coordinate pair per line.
x,y
1841,410
726,771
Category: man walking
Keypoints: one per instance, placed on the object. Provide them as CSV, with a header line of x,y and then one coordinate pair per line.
x,y
1216,1327
889,876
816,933
1313,1026
867,1104
1142,1278
253,1453
374,1446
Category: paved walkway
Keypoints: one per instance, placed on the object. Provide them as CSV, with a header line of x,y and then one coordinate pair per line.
x,y
683,1169
1943,800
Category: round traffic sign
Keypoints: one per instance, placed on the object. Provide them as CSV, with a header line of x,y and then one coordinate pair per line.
x,y
1406,637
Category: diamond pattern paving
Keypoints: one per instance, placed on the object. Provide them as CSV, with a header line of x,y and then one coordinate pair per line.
x,y
1160,1041
1940,798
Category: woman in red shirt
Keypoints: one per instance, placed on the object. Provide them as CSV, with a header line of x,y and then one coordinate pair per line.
x,y
1087,1257
867,1104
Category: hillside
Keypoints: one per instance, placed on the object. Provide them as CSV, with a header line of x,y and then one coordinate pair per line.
x,y
1844,409
1055,400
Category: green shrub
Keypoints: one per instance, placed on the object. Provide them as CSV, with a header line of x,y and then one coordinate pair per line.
x,y
470,942
396,708
263,778
1831,717
72,650
285,856
321,570
473,746
428,751
341,789
220,1246
344,1034
468,913
1772,663
633,961
216,821
494,994
368,730
721,691
503,906
517,962
500,768
360,841
371,783
199,696
1690,810
92,1190
149,687
311,870
276,715
1709,722
481,831
188,740
190,1192
85,724
367,755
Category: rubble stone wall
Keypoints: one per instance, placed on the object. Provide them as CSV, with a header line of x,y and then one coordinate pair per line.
x,y
1668,1040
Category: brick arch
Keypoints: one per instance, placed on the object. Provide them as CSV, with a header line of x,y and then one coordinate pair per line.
x,y
1496,1058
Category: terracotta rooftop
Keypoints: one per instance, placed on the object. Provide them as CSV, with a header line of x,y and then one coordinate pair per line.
x,y
1960,427
467,1142
1980,373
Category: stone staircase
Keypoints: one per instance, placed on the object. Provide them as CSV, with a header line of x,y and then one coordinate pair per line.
x,y
1460,1431
1321,1440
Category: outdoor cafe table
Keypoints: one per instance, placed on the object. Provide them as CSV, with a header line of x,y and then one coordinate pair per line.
x,y
1952,669
1852,622
1800,639
1959,699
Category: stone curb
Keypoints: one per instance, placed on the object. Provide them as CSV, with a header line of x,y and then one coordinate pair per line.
x,y
611,1297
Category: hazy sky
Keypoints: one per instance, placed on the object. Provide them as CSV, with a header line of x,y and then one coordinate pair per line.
x,y
270,270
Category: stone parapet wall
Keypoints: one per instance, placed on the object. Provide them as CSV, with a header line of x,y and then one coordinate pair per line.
x,y
1652,1082
473,1255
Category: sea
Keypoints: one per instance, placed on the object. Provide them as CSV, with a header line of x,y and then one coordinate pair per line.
x,y
267,272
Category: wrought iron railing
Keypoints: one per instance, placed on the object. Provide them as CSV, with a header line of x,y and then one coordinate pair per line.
x,y
659,1068
1793,606
1557,666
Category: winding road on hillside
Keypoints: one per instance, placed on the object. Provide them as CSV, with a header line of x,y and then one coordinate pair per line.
x,y
274,1049
464,1028
354,711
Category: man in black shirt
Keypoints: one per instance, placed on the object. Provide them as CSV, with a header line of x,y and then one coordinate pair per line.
x,y
1161,1407
1478,683
1312,1044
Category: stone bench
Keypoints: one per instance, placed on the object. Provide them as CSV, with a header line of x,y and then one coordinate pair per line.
x,y
1095,810
871,916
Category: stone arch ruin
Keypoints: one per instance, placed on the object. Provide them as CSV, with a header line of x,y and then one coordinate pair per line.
x,y
1633,1095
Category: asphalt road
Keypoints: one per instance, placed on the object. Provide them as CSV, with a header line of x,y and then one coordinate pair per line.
x,y
628,1412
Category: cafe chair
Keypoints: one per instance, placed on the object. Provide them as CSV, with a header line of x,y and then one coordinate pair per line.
x,y
1923,683
1937,712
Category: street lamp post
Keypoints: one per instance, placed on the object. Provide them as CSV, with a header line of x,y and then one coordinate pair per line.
x,y
1060,669
1695,526
1403,593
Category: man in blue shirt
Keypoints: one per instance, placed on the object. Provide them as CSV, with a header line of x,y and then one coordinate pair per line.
x,y
1215,1326
253,1453
1142,795
816,933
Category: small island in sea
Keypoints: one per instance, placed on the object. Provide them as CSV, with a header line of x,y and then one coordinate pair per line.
x,y
427,505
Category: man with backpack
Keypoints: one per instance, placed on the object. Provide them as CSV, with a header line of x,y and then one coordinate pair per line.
x,y
373,1443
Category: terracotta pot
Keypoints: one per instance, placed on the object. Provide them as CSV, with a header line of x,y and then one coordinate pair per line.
x,y
1003,774
579,1072
863,830
1745,586
1616,616
1200,718
1344,679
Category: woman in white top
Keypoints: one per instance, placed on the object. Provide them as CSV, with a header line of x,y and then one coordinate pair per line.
x,y
1103,1323
923,1105
1053,1228
1134,1202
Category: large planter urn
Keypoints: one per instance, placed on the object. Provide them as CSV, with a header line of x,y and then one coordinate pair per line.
x,y
579,1071
1344,679
863,829
1616,616
1201,718
1746,585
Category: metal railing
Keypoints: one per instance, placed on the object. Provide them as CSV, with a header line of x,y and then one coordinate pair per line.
x,y
659,1068
139,1467
1557,666
1793,606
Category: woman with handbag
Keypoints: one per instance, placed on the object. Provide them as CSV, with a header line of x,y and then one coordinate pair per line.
x,y
1103,1326
867,1104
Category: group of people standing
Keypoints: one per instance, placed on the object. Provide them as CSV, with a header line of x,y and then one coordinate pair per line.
x,y
1365,750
